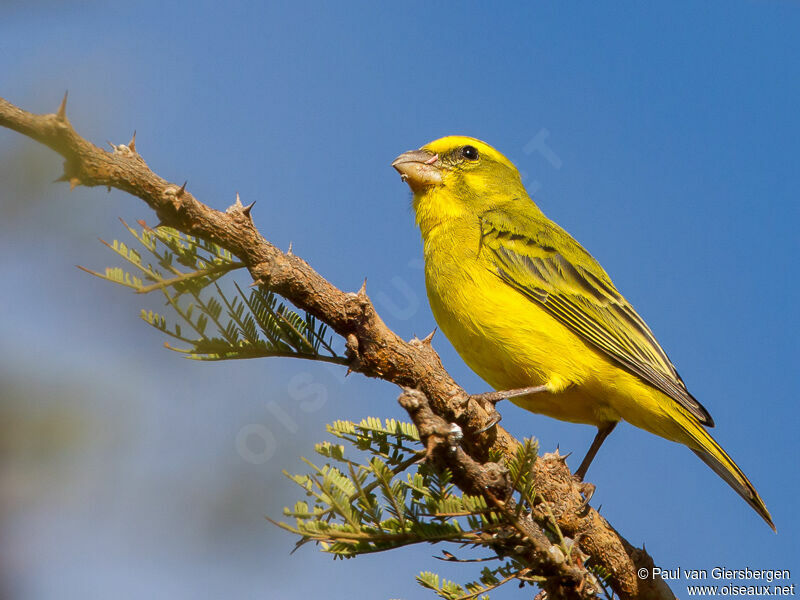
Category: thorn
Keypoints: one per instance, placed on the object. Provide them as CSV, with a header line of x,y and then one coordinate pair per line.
x,y
429,338
289,251
246,209
238,203
61,115
63,177
362,292
73,183
180,192
132,143
113,146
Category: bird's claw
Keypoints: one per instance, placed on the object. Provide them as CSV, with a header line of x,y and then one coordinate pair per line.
x,y
494,420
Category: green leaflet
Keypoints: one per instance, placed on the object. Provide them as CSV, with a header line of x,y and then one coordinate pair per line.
x,y
377,493
209,322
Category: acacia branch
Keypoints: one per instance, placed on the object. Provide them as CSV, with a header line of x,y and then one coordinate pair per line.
x,y
372,348
562,577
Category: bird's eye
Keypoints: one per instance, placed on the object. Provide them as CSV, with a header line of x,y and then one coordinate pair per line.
x,y
470,152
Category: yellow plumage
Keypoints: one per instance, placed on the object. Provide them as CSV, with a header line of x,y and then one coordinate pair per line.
x,y
524,305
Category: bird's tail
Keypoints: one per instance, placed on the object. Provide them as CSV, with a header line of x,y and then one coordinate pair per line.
x,y
707,448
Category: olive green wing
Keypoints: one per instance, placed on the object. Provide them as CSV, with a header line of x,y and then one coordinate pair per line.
x,y
543,262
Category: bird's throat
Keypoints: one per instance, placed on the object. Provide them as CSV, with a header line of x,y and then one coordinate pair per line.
x,y
433,208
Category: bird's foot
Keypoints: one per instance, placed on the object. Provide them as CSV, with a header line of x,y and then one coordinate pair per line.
x,y
586,490
493,420
493,398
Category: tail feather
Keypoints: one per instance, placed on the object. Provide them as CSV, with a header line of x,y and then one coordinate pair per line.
x,y
707,448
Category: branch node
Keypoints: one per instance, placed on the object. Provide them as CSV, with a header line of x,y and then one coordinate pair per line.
x,y
428,339
410,399
237,205
454,436
122,149
556,555
361,297
351,351
461,399
562,458
497,481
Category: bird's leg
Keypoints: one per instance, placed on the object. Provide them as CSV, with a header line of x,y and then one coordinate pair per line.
x,y
495,397
602,434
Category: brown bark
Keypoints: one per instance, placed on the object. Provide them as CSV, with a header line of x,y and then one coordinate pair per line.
x,y
374,350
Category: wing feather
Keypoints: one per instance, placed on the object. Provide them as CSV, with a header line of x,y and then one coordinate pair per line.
x,y
544,263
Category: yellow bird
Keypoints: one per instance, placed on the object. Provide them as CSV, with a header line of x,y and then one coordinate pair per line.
x,y
527,307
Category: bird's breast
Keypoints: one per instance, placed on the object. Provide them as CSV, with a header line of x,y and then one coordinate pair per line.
x,y
509,341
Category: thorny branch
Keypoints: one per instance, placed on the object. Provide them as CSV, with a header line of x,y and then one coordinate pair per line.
x,y
373,349
564,577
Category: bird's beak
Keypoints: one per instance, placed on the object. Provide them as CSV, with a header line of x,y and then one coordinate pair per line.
x,y
419,169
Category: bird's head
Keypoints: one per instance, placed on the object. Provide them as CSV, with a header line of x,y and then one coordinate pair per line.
x,y
456,176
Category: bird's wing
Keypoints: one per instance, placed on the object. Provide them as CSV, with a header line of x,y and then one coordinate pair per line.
x,y
540,260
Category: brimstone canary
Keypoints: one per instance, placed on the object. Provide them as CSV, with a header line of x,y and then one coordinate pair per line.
x,y
525,305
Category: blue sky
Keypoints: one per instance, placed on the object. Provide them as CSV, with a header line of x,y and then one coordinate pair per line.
x,y
663,137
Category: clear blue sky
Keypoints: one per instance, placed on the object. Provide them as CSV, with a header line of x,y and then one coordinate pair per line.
x,y
671,136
